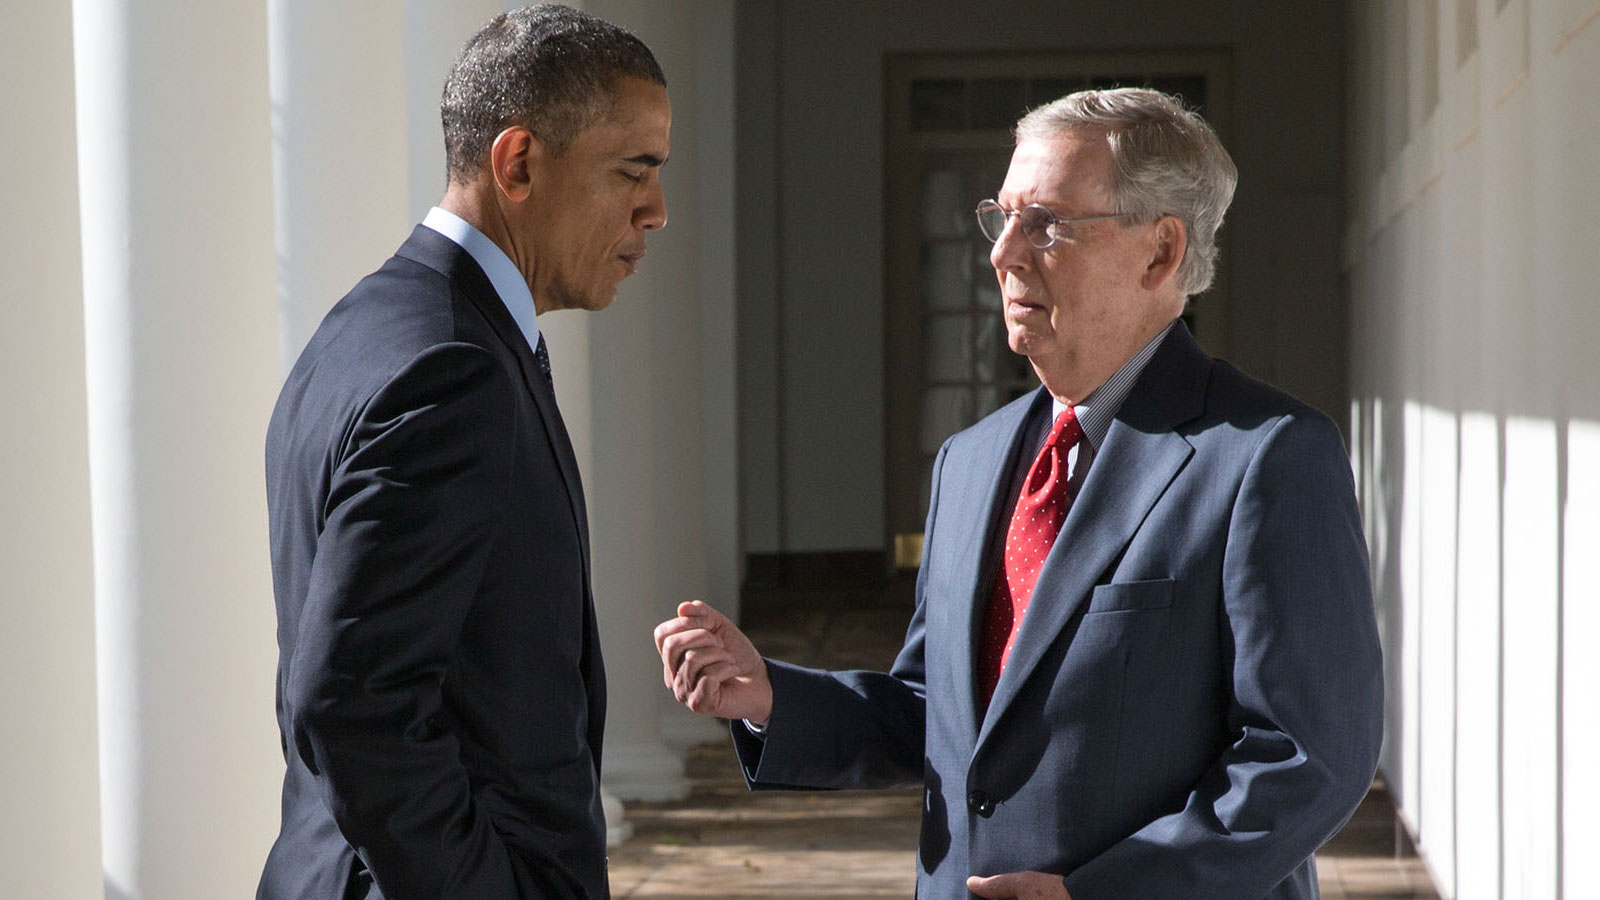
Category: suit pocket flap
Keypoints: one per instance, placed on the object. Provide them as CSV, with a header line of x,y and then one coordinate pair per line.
x,y
1131,595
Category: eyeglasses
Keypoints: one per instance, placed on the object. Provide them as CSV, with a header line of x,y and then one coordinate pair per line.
x,y
1039,225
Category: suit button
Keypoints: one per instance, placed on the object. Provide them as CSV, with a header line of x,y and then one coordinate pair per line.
x,y
979,802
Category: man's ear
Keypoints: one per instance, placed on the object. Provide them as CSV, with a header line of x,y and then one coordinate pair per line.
x,y
513,159
1171,239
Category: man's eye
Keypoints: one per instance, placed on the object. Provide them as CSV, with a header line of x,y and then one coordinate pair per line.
x,y
635,177
1033,220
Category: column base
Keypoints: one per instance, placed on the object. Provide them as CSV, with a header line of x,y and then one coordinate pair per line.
x,y
618,828
682,730
650,772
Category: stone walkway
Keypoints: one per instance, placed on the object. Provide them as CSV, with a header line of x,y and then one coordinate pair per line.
x,y
726,842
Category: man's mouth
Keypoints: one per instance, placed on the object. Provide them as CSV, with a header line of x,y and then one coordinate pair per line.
x,y
1017,307
631,259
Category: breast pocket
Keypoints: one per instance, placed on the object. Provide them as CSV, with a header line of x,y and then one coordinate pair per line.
x,y
1131,595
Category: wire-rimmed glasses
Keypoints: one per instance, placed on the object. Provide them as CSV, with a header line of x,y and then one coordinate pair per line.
x,y
1039,225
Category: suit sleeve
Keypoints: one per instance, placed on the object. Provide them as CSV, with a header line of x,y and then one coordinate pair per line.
x,y
852,729
409,523
1305,712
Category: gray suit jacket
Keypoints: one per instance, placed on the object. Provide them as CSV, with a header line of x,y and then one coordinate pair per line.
x,y
1194,701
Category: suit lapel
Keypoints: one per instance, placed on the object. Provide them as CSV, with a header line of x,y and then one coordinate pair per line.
x,y
443,255
985,501
1141,455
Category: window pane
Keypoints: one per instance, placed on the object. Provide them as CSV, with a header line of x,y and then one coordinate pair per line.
x,y
985,287
1192,88
997,102
990,398
1044,90
946,276
945,411
991,356
938,104
1112,81
947,204
947,348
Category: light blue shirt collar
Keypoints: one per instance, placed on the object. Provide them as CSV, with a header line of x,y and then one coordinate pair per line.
x,y
503,274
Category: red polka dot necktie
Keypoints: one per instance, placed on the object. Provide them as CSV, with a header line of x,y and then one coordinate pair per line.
x,y
1040,510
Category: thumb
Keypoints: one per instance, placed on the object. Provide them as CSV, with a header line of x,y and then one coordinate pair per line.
x,y
996,887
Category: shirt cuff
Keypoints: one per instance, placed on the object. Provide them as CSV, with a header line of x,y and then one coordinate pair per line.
x,y
759,731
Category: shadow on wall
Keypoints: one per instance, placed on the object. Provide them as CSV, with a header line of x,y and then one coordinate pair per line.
x,y
1480,526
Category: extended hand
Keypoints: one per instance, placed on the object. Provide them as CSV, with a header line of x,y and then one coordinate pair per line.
x,y
711,667
1021,886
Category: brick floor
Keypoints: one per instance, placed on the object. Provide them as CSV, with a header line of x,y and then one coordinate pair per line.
x,y
726,842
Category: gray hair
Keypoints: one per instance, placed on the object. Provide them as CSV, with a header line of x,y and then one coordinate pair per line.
x,y
548,68
1166,161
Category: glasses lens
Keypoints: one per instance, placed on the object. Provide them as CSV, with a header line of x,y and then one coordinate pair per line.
x,y
991,219
1035,222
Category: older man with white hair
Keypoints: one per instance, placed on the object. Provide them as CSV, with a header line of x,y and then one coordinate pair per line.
x,y
1144,661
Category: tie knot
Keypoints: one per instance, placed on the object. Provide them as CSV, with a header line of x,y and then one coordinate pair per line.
x,y
1066,432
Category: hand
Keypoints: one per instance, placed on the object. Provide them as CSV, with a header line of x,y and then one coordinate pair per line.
x,y
1020,886
711,667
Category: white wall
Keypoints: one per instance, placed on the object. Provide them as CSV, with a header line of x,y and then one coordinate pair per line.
x,y
1476,422
811,219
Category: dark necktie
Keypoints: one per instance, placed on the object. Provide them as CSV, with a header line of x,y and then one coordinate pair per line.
x,y
1040,510
541,354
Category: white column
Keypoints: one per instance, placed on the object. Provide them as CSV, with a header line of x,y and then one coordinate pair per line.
x,y
181,338
714,78
50,827
435,33
710,84
646,481
569,337
339,151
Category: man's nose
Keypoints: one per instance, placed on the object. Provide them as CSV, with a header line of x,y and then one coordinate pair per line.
x,y
652,214
1012,247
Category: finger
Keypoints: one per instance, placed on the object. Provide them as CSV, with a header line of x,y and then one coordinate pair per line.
x,y
703,614
691,670
677,626
708,695
676,646
670,626
718,672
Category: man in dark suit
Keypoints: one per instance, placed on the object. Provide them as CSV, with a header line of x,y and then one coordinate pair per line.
x,y
441,697
1144,661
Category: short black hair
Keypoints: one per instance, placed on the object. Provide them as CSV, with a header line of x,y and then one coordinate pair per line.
x,y
549,68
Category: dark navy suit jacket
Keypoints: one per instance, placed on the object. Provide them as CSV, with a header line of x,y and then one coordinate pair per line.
x,y
1194,701
441,696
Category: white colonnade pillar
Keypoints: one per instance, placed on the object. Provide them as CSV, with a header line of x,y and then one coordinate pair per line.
x,y
436,30
339,152
50,827
640,436
176,208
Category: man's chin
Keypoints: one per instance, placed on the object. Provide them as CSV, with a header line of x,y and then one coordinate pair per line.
x,y
598,299
1023,340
